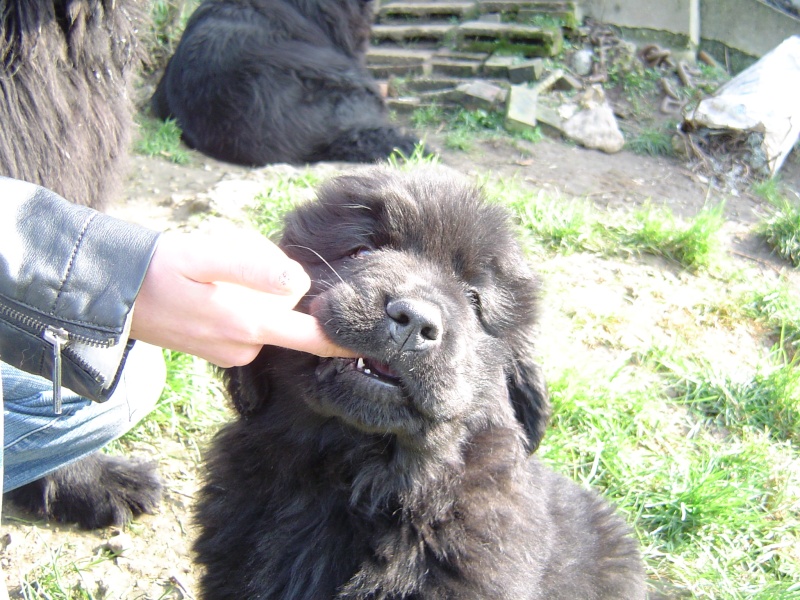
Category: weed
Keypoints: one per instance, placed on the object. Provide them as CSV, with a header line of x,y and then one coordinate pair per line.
x,y
781,229
656,231
161,138
651,142
428,116
279,198
168,19
766,401
575,225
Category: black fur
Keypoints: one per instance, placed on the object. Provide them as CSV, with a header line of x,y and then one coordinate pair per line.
x,y
268,81
414,480
97,491
65,113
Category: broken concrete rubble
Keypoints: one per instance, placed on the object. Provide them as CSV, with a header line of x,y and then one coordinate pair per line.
x,y
761,100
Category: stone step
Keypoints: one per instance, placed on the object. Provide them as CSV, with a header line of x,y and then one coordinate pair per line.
x,y
528,40
428,11
384,63
409,33
422,85
377,55
568,13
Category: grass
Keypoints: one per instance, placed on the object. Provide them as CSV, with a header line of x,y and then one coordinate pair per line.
x,y
781,228
463,127
168,19
576,225
161,138
651,142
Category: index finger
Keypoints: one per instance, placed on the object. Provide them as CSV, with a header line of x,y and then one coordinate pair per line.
x,y
299,331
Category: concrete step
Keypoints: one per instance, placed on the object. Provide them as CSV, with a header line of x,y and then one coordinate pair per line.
x,y
526,11
528,40
431,33
427,11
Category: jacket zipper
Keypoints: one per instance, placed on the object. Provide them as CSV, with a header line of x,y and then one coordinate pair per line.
x,y
59,338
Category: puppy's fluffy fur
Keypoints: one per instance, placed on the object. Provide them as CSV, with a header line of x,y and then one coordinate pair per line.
x,y
405,474
266,81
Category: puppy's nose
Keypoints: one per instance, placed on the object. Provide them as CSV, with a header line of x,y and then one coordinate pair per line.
x,y
414,325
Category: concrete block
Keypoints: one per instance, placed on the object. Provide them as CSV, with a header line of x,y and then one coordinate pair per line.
x,y
521,108
498,65
481,94
404,105
549,120
529,70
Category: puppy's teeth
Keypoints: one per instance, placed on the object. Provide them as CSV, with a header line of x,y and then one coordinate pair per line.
x,y
367,372
360,364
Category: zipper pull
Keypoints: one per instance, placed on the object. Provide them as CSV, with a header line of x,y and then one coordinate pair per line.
x,y
58,338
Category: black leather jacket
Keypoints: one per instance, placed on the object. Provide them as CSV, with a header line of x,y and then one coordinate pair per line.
x,y
68,280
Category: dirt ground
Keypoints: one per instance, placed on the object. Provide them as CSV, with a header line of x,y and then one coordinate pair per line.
x,y
157,562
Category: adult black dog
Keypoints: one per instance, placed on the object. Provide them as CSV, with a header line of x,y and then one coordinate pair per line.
x,y
267,81
65,114
65,120
406,473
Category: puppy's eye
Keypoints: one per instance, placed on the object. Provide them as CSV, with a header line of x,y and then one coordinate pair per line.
x,y
361,251
475,300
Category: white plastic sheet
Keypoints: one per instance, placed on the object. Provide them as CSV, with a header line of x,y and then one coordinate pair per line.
x,y
764,98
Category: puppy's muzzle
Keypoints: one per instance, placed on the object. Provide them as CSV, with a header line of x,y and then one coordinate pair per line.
x,y
414,325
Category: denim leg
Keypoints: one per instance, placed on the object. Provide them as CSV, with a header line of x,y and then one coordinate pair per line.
x,y
37,441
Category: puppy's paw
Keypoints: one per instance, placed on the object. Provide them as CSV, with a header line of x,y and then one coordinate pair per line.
x,y
96,491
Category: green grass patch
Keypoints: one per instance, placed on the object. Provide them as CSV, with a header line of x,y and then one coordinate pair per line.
x,y
167,21
577,225
781,228
657,231
191,406
651,142
714,514
283,194
767,400
161,138
463,127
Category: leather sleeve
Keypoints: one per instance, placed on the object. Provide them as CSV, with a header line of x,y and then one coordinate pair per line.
x,y
71,268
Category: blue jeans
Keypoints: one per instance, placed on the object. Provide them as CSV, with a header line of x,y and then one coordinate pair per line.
x,y
36,441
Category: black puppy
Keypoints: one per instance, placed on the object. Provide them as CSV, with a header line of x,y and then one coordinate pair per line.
x,y
266,81
405,473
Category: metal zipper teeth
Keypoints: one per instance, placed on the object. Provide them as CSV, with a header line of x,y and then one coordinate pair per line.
x,y
39,326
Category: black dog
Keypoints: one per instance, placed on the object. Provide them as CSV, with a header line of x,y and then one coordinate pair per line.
x,y
267,81
406,473
65,113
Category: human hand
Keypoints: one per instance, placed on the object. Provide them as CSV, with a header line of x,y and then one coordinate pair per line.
x,y
222,297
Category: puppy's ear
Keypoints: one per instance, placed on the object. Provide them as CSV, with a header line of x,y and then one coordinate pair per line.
x,y
530,399
247,395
